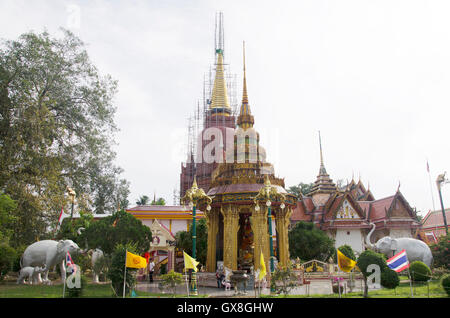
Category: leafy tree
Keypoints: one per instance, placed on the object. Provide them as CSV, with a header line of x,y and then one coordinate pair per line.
x,y
159,201
69,227
184,240
7,258
7,218
120,228
307,242
301,188
56,129
116,270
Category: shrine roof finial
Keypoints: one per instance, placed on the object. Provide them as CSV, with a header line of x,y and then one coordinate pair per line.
x,y
245,119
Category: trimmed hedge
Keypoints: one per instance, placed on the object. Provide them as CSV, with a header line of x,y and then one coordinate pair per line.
x,y
445,282
419,271
389,279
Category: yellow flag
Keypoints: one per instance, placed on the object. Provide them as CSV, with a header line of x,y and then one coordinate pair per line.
x,y
135,261
262,270
345,264
190,262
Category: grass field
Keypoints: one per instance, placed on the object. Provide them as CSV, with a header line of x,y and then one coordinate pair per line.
x,y
12,290
420,290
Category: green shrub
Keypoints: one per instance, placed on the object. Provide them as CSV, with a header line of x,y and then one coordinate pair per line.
x,y
389,278
117,267
7,258
283,280
171,280
419,271
441,252
445,282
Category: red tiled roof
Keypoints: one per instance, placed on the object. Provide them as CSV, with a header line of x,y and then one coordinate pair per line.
x,y
309,204
379,208
435,219
365,205
299,213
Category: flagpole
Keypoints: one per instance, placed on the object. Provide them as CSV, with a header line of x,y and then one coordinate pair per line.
x,y
125,274
431,187
187,285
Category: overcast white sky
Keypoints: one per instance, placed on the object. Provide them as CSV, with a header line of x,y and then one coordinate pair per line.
x,y
372,76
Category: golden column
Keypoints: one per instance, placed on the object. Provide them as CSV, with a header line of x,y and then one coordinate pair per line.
x,y
195,196
212,222
267,194
230,230
258,221
282,223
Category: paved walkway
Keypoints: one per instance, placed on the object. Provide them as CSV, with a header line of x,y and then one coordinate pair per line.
x,y
317,287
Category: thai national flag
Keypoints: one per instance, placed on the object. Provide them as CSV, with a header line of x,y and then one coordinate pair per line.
x,y
398,262
69,261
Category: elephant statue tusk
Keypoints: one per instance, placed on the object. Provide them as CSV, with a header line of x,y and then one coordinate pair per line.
x,y
368,244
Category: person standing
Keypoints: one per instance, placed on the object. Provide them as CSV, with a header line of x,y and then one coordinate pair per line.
x,y
151,270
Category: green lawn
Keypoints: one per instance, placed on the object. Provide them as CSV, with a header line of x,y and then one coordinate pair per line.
x,y
12,290
434,290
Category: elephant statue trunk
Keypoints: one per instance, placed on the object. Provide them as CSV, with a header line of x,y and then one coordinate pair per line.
x,y
368,244
86,249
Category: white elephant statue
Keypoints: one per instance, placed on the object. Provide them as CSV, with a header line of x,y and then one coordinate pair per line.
x,y
48,253
31,273
416,250
96,255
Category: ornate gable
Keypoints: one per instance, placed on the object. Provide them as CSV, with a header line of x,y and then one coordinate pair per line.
x,y
400,208
346,211
161,236
344,207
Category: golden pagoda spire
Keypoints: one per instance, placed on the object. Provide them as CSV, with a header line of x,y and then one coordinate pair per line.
x,y
219,99
244,93
322,170
245,119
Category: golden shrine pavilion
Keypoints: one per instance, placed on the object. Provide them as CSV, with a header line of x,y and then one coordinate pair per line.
x,y
238,227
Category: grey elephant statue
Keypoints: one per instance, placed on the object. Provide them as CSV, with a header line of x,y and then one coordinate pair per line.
x,y
48,253
416,250
31,273
96,255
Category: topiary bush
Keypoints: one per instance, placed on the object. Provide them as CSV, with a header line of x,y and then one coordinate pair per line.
x,y
389,278
445,282
419,271
347,251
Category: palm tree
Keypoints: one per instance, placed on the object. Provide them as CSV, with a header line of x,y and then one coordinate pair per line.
x,y
143,200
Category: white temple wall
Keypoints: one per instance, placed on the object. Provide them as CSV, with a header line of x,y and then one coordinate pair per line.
x,y
351,237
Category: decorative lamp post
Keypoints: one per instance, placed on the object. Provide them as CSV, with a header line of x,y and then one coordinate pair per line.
x,y
194,196
268,193
72,194
439,181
